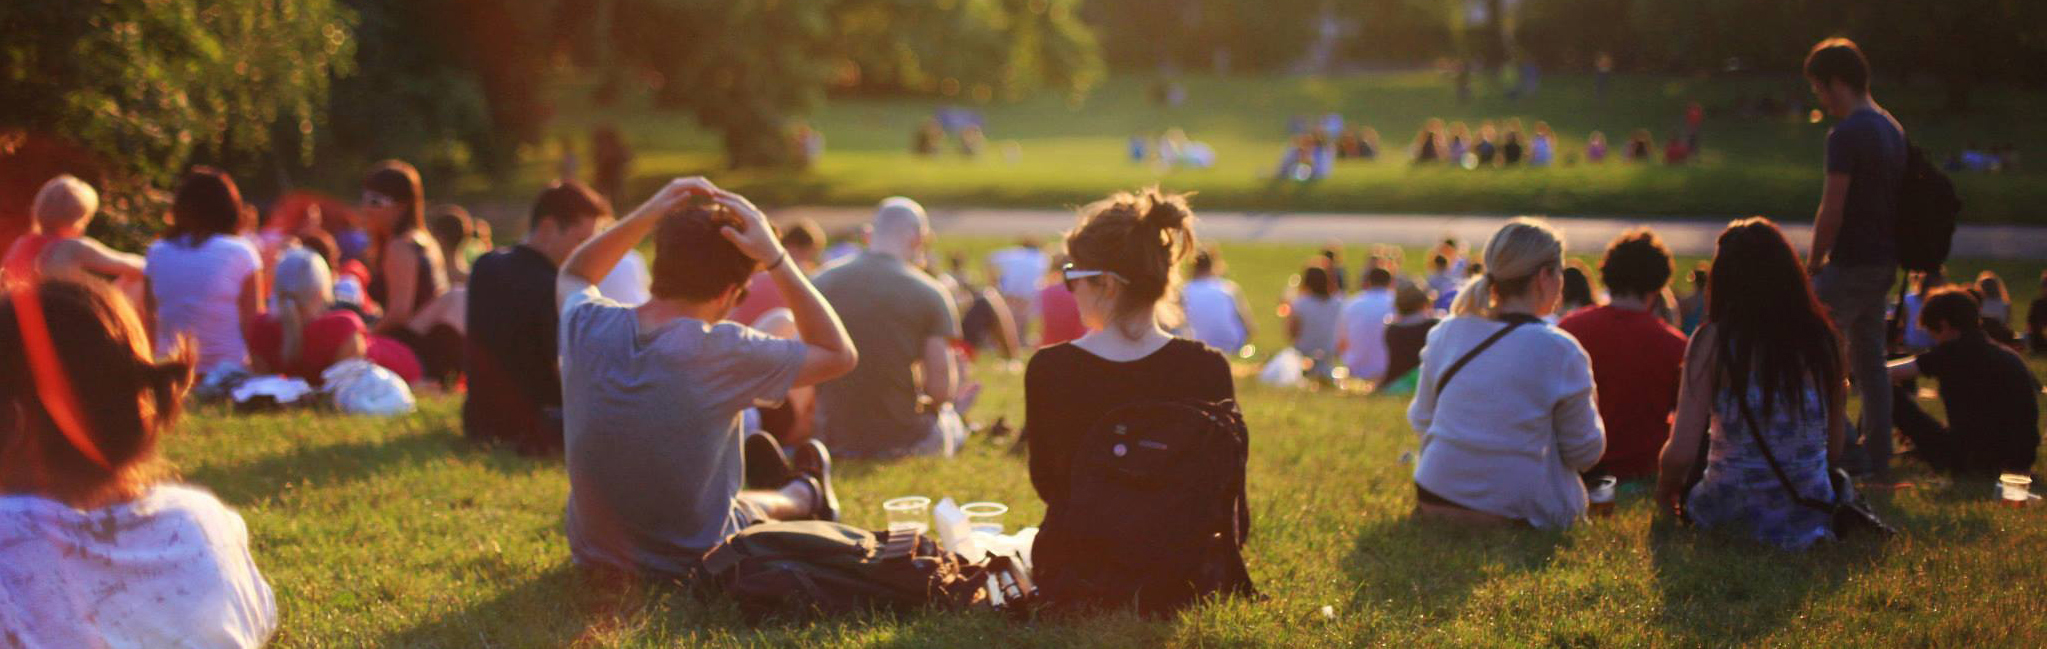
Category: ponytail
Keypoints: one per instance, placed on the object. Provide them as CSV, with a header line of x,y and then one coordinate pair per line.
x,y
1523,248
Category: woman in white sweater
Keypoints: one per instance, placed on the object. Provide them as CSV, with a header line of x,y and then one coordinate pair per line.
x,y
1506,431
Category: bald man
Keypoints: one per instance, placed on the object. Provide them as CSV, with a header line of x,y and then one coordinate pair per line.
x,y
904,323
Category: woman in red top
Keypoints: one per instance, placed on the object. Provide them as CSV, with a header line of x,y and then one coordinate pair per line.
x,y
303,336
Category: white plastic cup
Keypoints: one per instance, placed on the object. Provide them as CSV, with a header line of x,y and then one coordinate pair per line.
x,y
985,517
2014,489
908,512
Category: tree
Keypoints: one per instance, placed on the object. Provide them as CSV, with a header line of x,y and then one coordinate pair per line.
x,y
145,88
744,67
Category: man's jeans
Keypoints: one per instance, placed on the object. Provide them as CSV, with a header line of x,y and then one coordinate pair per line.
x,y
1856,297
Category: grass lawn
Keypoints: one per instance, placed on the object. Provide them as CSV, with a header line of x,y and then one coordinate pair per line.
x,y
396,532
1075,151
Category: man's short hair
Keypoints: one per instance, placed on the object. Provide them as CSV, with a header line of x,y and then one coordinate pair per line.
x,y
692,260
1636,264
1838,59
804,233
1410,299
450,225
567,202
64,200
1378,277
1953,308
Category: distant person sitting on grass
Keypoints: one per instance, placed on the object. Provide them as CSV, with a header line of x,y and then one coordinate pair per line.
x,y
1691,309
905,324
203,278
1406,334
307,333
56,244
515,388
99,545
652,395
1505,434
1990,396
1362,326
1635,355
1312,319
1767,365
1216,312
1595,148
1641,146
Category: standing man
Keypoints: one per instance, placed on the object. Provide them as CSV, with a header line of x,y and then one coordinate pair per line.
x,y
1854,255
904,323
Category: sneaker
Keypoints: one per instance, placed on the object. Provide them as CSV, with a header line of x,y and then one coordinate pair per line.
x,y
813,461
766,466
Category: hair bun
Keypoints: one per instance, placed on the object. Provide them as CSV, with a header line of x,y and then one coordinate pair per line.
x,y
1166,211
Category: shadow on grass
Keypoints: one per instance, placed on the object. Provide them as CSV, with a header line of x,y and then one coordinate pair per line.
x,y
1722,589
324,465
1428,569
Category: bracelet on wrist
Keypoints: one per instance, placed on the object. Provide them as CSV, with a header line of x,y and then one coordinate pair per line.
x,y
778,261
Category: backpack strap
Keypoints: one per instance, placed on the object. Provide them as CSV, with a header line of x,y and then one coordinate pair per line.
x,y
1513,321
1741,401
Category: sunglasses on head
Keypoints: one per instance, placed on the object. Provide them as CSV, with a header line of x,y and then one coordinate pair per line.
x,y
1072,276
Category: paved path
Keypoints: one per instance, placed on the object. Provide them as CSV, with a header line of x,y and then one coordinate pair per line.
x,y
1685,237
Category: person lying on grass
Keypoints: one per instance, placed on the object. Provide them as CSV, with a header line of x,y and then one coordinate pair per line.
x,y
652,395
99,545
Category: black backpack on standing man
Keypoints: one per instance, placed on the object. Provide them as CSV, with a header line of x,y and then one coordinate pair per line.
x,y
1156,516
1925,230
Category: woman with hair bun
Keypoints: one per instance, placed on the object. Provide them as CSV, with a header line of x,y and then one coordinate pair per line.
x,y
1504,401
1122,274
99,545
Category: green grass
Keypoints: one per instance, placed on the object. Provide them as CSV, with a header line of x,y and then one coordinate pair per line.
x,y
396,532
1074,151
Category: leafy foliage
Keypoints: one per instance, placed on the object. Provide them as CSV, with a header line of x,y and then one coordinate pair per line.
x,y
147,88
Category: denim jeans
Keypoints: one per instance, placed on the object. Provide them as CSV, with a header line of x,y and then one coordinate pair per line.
x,y
1856,298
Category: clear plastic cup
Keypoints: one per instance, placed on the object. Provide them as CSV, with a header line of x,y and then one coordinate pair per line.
x,y
908,512
985,517
2014,489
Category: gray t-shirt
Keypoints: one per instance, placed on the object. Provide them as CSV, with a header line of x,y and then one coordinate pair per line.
x,y
890,309
1869,146
1319,318
651,426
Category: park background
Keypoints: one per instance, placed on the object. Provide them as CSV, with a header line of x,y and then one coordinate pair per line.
x,y
395,532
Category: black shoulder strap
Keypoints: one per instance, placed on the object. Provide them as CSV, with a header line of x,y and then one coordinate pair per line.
x,y
1741,401
1512,324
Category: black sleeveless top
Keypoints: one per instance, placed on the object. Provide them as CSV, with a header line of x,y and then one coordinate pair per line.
x,y
422,292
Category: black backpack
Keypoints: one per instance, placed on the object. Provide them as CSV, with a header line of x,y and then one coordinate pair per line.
x,y
1927,210
1155,515
806,568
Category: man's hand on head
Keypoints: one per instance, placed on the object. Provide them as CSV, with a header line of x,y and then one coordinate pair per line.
x,y
753,236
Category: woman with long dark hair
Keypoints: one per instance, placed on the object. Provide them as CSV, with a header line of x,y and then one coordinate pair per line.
x,y
204,279
410,271
1764,379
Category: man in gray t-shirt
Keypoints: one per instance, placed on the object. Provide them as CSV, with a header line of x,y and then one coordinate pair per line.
x,y
904,323
652,395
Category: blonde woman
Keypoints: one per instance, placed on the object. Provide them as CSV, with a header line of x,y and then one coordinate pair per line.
x,y
1504,404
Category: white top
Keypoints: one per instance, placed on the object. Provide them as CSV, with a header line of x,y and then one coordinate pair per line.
x,y
629,281
1318,324
198,292
1364,332
1513,429
1212,315
1018,270
169,569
